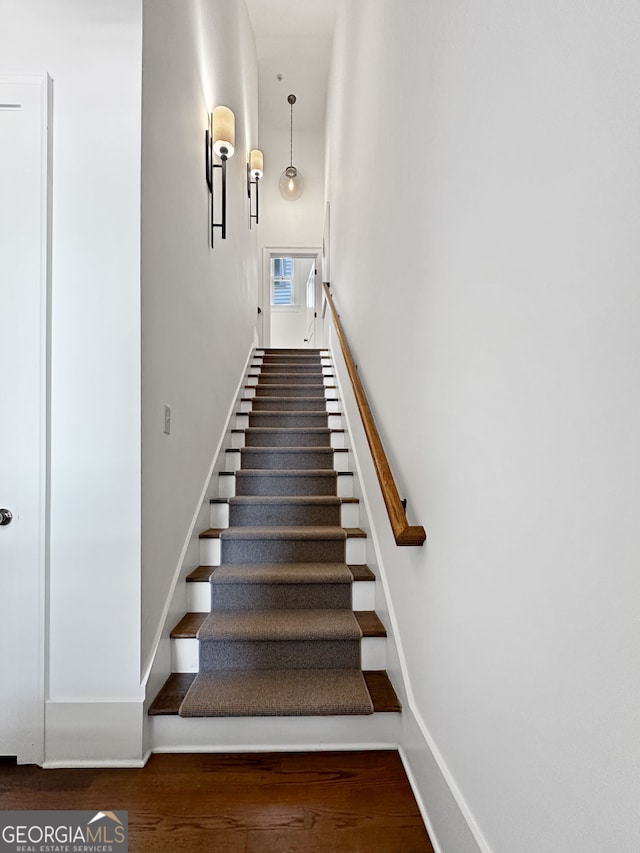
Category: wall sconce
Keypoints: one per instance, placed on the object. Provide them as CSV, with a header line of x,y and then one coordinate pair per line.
x,y
219,141
255,168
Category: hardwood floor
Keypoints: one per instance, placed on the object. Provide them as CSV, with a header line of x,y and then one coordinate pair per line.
x,y
322,802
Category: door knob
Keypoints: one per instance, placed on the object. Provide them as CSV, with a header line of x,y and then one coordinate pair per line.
x,y
5,517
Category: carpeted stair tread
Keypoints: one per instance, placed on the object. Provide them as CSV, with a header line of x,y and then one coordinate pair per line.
x,y
282,389
299,366
282,573
293,692
290,481
286,451
287,472
271,416
203,574
319,436
284,511
187,628
298,390
319,430
285,458
308,377
174,690
280,625
324,500
295,404
286,533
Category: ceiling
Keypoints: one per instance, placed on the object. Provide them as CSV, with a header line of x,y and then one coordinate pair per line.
x,y
293,40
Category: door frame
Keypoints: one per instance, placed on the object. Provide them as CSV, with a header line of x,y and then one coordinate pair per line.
x,y
269,252
37,611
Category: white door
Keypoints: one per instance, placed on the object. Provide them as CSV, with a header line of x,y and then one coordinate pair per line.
x,y
23,407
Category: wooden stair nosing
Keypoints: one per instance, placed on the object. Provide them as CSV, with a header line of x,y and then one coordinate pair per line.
x,y
202,574
187,627
170,697
350,532
286,449
288,430
287,472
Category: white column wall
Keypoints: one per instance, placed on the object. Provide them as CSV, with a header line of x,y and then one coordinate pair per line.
x,y
484,183
292,223
199,305
92,51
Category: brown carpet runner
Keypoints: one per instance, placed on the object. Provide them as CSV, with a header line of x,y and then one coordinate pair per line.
x,y
281,638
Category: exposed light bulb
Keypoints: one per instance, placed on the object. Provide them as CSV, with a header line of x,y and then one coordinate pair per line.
x,y
291,184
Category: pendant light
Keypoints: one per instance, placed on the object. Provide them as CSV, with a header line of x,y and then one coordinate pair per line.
x,y
291,181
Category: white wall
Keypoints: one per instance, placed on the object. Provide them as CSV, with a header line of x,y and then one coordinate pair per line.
x,y
199,305
93,53
485,268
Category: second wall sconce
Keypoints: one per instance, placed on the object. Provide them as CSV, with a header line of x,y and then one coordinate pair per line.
x,y
255,170
219,140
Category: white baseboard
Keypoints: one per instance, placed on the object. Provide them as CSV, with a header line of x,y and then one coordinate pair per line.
x,y
93,734
449,823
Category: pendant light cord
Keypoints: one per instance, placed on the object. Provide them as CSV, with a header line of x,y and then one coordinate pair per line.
x,y
291,99
291,139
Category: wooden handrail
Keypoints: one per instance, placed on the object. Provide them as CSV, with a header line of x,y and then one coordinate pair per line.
x,y
404,533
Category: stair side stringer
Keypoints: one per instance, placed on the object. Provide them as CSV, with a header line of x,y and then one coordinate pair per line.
x,y
158,667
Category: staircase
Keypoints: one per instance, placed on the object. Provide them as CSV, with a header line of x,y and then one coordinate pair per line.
x,y
282,620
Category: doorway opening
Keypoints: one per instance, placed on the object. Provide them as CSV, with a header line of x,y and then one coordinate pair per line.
x,y
290,298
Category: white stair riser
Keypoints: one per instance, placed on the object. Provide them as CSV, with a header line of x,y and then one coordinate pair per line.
x,y
199,596
227,485
363,595
349,515
220,515
171,733
373,653
345,486
210,552
356,552
185,654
